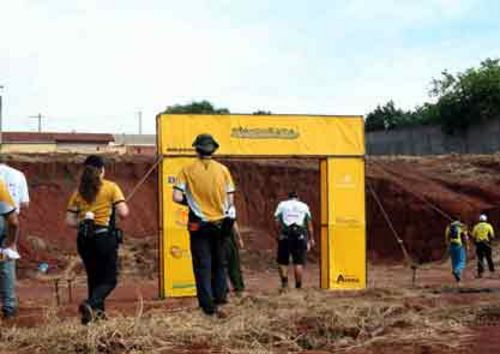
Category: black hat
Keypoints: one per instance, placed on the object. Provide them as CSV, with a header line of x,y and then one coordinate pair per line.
x,y
205,144
94,161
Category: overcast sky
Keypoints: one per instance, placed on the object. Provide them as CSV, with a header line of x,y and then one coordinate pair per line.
x,y
91,65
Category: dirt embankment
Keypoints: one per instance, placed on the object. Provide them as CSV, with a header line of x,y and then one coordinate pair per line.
x,y
406,187
52,179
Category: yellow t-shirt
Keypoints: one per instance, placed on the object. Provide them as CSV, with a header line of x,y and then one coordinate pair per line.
x,y
7,204
109,195
483,231
206,184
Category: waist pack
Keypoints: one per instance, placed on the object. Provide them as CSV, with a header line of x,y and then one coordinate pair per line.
x,y
88,229
294,231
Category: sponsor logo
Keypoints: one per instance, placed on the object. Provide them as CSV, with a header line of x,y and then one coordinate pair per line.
x,y
177,149
347,279
178,252
345,181
181,217
348,221
265,133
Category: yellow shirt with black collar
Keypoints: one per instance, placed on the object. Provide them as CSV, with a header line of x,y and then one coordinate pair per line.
x,y
206,184
109,194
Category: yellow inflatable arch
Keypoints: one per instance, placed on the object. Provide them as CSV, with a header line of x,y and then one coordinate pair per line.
x,y
338,141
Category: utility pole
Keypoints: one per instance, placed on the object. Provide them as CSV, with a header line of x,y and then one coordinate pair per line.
x,y
139,115
39,117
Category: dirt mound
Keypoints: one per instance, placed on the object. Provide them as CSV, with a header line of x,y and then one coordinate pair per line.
x,y
52,179
408,189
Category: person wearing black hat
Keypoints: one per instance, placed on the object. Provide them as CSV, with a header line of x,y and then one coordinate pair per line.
x,y
91,210
207,188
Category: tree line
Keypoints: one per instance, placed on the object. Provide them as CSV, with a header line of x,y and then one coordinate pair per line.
x,y
460,100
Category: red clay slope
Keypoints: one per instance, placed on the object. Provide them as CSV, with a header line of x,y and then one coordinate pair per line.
x,y
457,185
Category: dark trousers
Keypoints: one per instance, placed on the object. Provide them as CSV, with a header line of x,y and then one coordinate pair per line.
x,y
483,250
207,251
100,258
233,264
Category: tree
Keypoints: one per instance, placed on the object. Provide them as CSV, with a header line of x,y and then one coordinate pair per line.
x,y
468,98
386,117
201,107
463,99
261,112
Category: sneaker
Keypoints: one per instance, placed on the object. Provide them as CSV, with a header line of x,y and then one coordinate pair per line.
x,y
86,313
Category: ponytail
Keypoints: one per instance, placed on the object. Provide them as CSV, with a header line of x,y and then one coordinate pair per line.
x,y
90,183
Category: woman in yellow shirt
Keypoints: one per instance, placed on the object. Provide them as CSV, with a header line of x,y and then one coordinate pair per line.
x,y
90,210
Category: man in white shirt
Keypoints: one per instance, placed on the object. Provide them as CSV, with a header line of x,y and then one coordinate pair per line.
x,y
294,221
16,185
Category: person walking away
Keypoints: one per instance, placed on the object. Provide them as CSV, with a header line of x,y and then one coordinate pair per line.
x,y
92,209
294,220
9,228
233,245
483,235
207,188
456,237
17,186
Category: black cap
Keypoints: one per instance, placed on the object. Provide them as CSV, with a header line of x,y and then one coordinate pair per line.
x,y
292,195
94,161
205,144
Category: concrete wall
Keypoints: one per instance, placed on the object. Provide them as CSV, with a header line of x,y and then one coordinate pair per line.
x,y
430,140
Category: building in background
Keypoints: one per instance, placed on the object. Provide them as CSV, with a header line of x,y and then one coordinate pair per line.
x,y
30,142
137,144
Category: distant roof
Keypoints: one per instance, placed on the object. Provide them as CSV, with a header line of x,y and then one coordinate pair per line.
x,y
31,137
135,139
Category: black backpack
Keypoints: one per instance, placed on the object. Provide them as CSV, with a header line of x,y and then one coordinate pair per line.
x,y
294,231
455,231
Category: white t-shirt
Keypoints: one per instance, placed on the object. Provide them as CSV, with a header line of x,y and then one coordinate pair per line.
x,y
293,211
16,184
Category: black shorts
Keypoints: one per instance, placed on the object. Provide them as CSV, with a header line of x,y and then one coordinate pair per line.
x,y
295,247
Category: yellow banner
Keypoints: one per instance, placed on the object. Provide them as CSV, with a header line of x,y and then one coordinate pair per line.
x,y
177,274
346,224
265,135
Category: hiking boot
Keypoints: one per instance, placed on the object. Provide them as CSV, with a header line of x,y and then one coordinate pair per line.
x,y
100,316
221,314
86,313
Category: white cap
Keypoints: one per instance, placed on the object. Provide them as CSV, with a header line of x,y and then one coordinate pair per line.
x,y
89,215
231,212
483,217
